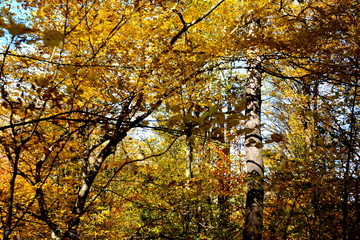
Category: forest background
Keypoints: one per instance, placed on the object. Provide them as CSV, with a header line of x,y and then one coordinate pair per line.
x,y
170,119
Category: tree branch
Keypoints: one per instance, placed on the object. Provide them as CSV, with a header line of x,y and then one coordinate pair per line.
x,y
186,26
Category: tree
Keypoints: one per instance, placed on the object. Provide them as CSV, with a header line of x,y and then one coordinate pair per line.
x,y
320,78
253,144
82,82
57,127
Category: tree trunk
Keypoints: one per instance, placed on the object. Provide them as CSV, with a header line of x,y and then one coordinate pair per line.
x,y
223,198
55,236
189,154
8,226
254,162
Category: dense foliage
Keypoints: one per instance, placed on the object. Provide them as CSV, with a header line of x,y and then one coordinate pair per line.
x,y
140,119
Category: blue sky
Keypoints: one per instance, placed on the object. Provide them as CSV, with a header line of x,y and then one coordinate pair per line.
x,y
14,10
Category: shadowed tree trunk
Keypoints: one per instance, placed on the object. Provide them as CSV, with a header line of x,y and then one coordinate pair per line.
x,y
189,153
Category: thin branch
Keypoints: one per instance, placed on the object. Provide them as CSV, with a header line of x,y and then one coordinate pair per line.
x,y
207,13
67,64
55,117
122,166
186,26
6,53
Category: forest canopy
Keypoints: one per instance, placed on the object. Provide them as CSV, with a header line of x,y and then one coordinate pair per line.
x,y
170,119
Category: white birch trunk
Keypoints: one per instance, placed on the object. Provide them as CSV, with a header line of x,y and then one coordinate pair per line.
x,y
254,162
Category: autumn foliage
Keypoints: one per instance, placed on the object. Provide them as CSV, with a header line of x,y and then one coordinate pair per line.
x,y
134,119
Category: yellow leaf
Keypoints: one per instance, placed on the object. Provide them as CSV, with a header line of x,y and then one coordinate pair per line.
x,y
42,82
71,69
47,7
70,89
2,23
17,29
240,106
82,72
40,14
52,38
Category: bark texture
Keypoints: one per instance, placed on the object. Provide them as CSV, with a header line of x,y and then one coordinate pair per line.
x,y
189,155
254,162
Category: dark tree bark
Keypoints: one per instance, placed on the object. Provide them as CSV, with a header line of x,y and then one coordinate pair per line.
x,y
189,154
